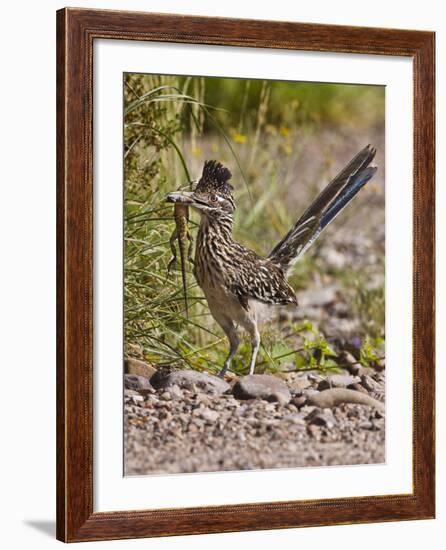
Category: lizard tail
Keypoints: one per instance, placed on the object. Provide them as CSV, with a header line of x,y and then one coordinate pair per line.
x,y
183,274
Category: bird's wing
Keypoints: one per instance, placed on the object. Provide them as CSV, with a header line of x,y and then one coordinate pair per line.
x,y
259,279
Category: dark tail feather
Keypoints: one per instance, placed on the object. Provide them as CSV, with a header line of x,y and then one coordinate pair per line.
x,y
337,184
347,194
338,193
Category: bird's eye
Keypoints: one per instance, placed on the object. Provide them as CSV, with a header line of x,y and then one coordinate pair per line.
x,y
214,198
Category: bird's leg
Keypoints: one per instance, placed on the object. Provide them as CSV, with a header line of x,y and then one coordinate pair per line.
x,y
250,325
255,342
234,342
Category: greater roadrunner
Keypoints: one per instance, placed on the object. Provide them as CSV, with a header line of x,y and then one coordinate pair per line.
x,y
234,279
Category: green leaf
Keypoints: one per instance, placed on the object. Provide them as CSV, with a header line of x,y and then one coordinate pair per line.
x,y
300,361
280,350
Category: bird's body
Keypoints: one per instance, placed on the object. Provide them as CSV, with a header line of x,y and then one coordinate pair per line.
x,y
222,263
235,280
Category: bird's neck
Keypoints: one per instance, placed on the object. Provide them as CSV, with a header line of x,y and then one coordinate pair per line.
x,y
217,227
213,250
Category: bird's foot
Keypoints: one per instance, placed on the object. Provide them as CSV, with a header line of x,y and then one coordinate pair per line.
x,y
222,373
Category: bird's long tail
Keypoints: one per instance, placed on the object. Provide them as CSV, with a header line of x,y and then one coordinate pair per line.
x,y
324,209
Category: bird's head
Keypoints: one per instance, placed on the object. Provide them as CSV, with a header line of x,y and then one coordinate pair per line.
x,y
212,195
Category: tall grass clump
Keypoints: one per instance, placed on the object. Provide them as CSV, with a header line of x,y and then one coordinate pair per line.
x,y
156,109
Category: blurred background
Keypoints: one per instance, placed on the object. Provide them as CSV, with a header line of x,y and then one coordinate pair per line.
x,y
283,142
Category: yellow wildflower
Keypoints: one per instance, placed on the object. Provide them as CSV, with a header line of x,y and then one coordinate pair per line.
x,y
239,138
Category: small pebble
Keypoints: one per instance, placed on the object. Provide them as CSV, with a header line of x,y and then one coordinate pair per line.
x,y
322,417
298,401
209,415
369,384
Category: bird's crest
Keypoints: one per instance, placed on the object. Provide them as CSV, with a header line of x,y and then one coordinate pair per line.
x,y
215,177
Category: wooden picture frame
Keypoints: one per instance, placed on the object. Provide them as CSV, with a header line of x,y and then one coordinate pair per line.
x,y
76,31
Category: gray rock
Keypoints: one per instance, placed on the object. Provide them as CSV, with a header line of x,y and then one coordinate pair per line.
x,y
299,401
262,386
135,366
337,381
192,380
176,392
137,383
369,384
322,417
137,399
296,381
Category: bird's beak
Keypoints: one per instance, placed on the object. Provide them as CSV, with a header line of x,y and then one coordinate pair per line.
x,y
187,198
184,197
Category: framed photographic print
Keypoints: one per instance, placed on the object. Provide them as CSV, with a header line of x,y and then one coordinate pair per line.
x,y
245,275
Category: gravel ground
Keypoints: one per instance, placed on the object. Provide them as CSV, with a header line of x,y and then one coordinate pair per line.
x,y
182,430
